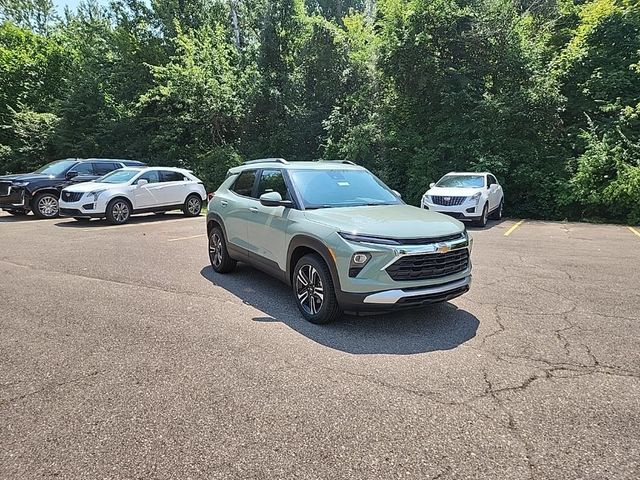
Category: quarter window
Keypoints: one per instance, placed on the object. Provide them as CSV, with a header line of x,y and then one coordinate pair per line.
x,y
244,183
273,181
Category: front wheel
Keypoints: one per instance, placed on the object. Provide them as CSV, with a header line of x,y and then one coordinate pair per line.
x,y
118,211
313,290
497,213
219,256
192,206
45,205
482,221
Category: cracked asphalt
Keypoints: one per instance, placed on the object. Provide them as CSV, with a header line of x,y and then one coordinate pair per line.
x,y
123,356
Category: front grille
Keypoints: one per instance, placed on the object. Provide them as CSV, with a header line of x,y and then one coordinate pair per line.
x,y
4,188
71,196
447,201
433,265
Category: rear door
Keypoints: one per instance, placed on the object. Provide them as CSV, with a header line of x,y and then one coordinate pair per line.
x,y
494,192
173,187
267,226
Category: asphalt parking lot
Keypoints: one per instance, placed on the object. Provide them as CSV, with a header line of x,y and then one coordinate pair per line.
x,y
123,356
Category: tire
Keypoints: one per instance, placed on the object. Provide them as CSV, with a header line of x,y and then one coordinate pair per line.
x,y
118,211
45,205
497,213
192,206
219,256
17,213
313,290
482,221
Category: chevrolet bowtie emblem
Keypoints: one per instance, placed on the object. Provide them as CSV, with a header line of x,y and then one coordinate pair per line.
x,y
443,248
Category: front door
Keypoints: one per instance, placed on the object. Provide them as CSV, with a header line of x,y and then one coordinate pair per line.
x,y
146,196
267,226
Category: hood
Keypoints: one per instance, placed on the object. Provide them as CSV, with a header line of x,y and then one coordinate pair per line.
x,y
90,186
26,177
454,191
392,221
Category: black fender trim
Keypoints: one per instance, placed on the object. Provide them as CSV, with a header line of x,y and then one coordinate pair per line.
x,y
322,249
235,252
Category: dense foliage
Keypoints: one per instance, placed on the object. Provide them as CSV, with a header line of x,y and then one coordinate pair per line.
x,y
544,93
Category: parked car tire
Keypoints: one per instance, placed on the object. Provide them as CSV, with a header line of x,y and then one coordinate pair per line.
x,y
18,212
45,205
497,213
192,206
482,221
313,290
118,211
219,256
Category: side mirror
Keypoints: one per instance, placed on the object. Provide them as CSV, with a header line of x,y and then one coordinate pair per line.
x,y
142,181
71,174
274,199
489,186
397,193
432,184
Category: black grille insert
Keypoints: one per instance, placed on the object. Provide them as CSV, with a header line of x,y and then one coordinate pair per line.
x,y
4,188
433,265
447,201
71,196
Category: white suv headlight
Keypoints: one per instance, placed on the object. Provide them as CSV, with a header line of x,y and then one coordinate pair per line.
x,y
476,197
96,193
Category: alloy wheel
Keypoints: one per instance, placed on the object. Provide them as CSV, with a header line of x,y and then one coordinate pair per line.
x,y
194,206
120,212
48,206
309,289
215,250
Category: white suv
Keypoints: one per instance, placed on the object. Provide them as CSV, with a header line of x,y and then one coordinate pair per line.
x,y
466,196
128,191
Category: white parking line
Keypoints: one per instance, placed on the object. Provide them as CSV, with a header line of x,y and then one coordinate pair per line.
x,y
138,224
187,238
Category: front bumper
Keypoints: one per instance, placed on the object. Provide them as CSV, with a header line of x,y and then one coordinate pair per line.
x,y
403,298
15,197
468,211
84,208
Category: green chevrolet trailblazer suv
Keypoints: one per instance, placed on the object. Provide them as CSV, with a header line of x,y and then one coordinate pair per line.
x,y
341,238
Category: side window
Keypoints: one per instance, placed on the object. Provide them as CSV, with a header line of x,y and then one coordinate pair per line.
x,y
273,181
102,168
151,176
169,176
84,168
492,180
244,183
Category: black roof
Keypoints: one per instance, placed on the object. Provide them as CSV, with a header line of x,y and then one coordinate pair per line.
x,y
129,163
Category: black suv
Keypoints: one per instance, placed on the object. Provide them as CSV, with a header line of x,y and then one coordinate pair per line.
x,y
39,191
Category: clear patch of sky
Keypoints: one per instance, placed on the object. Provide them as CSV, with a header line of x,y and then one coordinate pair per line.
x,y
73,4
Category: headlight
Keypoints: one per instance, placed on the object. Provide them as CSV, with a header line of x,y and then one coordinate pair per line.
x,y
20,184
96,194
426,198
476,197
368,239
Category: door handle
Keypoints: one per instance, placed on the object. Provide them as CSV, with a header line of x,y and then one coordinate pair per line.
x,y
253,209
224,203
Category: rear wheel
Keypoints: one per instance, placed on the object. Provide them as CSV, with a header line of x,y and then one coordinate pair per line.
x,y
118,211
314,291
45,205
219,256
192,206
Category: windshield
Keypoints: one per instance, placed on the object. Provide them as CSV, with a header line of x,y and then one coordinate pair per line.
x,y
340,188
118,176
461,181
56,168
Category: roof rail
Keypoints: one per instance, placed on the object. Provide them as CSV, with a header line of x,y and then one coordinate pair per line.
x,y
347,162
266,160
